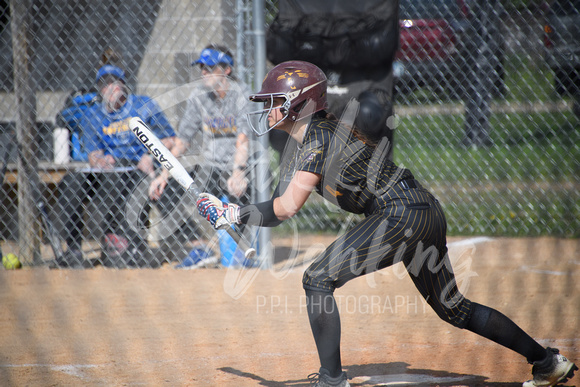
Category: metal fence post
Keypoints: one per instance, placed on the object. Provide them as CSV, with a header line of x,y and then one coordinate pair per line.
x,y
478,98
28,180
262,166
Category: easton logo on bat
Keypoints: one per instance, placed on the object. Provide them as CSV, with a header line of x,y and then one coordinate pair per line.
x,y
151,146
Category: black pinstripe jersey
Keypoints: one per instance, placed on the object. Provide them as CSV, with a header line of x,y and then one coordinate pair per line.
x,y
354,174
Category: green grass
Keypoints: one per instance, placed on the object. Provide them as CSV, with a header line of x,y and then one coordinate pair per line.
x,y
526,184
526,146
528,78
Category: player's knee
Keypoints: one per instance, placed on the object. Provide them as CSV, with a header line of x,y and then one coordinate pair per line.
x,y
456,313
313,281
454,320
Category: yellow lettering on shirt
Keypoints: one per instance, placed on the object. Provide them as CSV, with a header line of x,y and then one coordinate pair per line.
x,y
117,127
220,126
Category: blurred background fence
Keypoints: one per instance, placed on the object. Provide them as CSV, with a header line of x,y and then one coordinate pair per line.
x,y
485,99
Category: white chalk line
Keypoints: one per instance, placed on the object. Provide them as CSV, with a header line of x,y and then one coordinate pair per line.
x,y
76,370
477,240
539,271
469,241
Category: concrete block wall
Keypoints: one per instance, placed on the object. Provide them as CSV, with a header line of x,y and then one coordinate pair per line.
x,y
181,31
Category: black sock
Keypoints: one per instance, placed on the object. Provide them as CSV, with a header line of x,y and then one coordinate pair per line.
x,y
495,326
325,323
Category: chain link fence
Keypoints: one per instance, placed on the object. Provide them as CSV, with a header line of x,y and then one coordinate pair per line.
x,y
485,112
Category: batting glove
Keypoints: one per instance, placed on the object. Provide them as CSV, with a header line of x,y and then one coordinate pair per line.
x,y
218,213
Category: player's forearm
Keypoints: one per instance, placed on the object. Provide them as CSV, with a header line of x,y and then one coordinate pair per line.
x,y
260,214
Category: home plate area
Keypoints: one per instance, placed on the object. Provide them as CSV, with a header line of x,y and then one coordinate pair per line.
x,y
409,380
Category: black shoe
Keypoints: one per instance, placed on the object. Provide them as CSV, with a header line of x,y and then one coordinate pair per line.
x,y
323,379
120,253
555,369
72,259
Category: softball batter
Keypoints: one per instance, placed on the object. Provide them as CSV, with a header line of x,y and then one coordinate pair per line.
x,y
403,222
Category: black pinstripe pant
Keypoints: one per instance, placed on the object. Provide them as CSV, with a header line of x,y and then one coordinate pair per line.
x,y
406,225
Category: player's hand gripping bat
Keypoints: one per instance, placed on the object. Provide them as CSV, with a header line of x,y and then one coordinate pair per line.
x,y
178,172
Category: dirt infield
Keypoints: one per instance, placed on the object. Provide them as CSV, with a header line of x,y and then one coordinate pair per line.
x,y
222,327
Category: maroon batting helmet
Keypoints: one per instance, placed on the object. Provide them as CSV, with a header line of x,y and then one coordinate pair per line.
x,y
298,83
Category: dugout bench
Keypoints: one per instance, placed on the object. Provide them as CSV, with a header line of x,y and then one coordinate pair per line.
x,y
50,174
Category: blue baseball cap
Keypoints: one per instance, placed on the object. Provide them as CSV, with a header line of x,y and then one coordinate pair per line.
x,y
111,70
213,57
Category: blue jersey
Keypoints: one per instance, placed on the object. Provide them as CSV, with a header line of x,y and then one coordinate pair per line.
x,y
110,132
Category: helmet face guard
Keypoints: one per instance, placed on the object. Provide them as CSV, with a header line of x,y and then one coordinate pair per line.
x,y
299,84
262,127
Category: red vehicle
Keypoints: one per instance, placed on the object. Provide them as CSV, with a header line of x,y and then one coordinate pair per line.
x,y
434,47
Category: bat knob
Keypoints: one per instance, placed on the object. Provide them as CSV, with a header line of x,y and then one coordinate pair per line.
x,y
250,253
